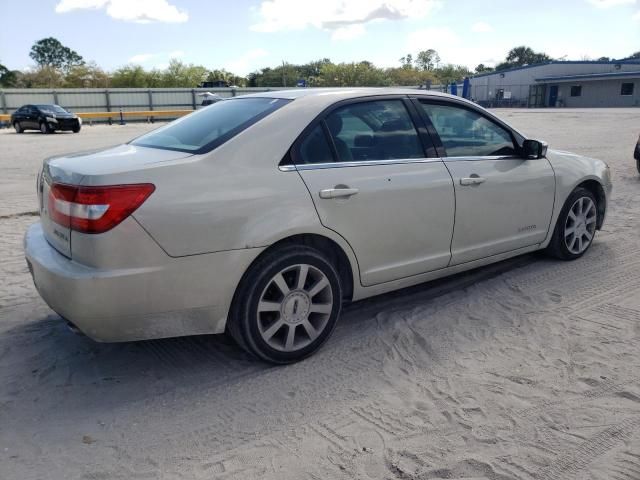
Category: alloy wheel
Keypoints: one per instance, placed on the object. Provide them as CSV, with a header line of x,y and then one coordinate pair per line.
x,y
580,225
294,307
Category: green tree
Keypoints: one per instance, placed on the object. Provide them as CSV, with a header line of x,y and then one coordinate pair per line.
x,y
227,77
451,73
521,56
44,77
408,77
407,61
427,59
178,74
49,52
360,74
8,78
88,75
130,76
482,68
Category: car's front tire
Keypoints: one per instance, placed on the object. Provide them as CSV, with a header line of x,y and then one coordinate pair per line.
x,y
287,305
44,128
576,226
18,127
76,129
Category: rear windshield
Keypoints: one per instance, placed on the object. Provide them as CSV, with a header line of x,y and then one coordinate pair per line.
x,y
204,130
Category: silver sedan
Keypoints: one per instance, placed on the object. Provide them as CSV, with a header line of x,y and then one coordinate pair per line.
x,y
262,215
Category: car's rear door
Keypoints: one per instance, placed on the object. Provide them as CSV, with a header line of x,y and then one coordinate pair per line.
x,y
371,179
503,201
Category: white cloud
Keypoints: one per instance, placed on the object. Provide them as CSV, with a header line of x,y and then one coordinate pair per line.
x,y
636,17
244,64
142,58
138,11
610,3
481,27
348,33
158,57
339,16
450,47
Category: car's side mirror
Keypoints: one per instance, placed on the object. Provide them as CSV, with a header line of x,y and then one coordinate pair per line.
x,y
533,149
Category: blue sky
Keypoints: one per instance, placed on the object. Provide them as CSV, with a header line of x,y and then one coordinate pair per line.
x,y
243,35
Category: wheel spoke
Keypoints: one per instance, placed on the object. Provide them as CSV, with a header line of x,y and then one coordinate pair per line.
x,y
302,276
572,215
266,306
321,307
569,231
312,332
318,287
273,329
579,244
573,243
281,283
291,335
590,220
589,235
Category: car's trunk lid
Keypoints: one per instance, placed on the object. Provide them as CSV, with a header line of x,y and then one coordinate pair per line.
x,y
86,167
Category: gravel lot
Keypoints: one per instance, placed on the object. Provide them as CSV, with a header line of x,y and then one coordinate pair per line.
x,y
528,369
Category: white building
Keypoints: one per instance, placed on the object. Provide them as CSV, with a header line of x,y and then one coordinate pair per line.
x,y
561,84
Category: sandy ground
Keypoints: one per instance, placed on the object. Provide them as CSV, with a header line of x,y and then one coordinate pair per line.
x,y
528,369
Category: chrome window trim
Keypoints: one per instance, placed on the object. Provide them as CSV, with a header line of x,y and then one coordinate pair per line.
x,y
479,158
360,163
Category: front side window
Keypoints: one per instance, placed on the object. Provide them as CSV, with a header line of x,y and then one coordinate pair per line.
x,y
375,130
626,89
466,133
210,127
576,91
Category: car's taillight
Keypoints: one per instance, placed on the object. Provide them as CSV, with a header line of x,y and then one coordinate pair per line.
x,y
95,209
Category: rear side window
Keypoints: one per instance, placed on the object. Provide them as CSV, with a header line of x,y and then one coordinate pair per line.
x,y
204,130
315,147
465,133
375,130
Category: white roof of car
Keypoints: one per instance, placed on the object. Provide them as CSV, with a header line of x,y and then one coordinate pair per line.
x,y
346,92
320,98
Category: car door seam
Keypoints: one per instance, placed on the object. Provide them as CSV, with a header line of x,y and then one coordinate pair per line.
x,y
331,229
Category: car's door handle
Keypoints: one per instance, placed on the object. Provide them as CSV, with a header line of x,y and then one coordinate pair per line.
x,y
338,192
472,180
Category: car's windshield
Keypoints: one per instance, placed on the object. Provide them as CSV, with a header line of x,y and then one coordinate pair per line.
x,y
51,108
208,128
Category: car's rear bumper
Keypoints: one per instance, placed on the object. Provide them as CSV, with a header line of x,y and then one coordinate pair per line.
x,y
183,296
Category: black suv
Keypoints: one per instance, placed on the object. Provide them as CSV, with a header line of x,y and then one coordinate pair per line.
x,y
46,118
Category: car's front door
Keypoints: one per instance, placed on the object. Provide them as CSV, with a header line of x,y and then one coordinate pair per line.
x,y
366,170
22,116
503,201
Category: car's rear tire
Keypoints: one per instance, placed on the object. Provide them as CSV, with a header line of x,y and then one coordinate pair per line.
x,y
44,128
576,226
18,127
287,305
